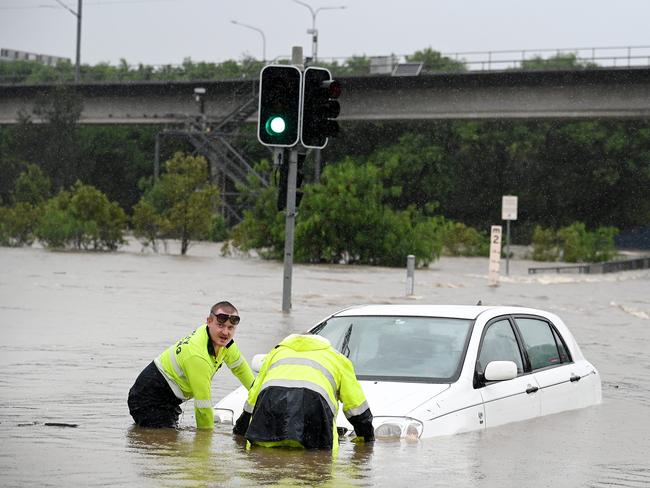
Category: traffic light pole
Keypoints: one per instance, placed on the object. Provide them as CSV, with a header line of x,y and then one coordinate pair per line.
x,y
289,229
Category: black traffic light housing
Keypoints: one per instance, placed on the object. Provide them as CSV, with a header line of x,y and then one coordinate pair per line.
x,y
278,121
319,107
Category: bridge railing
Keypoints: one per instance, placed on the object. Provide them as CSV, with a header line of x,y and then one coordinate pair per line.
x,y
628,56
522,59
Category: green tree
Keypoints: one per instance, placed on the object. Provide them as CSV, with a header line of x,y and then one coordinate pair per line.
x,y
183,202
32,186
545,244
434,62
103,222
461,240
556,62
18,224
83,218
343,219
57,227
414,172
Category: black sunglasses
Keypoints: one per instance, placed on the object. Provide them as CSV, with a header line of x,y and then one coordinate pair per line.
x,y
222,318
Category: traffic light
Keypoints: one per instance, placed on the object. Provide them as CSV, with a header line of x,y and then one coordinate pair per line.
x,y
319,107
279,105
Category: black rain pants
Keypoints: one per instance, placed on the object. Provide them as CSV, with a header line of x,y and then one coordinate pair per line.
x,y
152,402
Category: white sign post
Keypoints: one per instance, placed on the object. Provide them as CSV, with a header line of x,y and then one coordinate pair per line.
x,y
495,255
508,213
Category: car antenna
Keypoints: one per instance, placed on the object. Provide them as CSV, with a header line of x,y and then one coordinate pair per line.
x,y
479,303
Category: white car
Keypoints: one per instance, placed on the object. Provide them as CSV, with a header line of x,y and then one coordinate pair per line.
x,y
431,370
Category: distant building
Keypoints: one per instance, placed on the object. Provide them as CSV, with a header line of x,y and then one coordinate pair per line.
x,y
13,55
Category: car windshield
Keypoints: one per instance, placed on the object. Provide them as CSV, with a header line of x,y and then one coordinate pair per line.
x,y
400,348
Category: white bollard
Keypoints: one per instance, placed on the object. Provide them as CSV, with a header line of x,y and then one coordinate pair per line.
x,y
410,274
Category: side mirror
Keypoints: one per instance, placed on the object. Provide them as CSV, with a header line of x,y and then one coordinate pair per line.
x,y
500,371
258,360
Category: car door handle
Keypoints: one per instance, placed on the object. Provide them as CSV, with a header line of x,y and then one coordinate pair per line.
x,y
574,378
531,389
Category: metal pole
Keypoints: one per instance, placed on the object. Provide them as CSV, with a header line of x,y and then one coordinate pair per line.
x,y
77,69
314,38
261,32
410,274
288,230
77,14
317,165
508,247
313,31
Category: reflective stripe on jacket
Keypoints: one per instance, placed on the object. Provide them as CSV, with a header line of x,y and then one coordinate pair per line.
x,y
188,366
310,362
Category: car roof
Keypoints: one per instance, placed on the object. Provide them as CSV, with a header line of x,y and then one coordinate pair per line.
x,y
422,310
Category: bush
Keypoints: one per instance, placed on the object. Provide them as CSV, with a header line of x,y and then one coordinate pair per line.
x,y
575,241
83,218
575,244
17,224
545,244
219,230
32,186
343,219
461,240
57,227
4,232
603,248
146,224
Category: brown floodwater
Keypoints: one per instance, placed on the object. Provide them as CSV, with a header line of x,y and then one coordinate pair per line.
x,y
76,328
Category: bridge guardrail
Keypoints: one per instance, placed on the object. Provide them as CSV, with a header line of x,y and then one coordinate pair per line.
x,y
498,60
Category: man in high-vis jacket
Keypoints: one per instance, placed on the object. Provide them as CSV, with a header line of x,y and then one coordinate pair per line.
x,y
185,371
295,399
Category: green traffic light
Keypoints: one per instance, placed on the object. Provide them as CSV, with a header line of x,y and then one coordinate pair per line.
x,y
275,125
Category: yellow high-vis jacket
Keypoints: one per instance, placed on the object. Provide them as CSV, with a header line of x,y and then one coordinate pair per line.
x,y
189,365
295,398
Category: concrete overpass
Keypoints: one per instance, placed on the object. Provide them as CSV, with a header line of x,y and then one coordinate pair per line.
x,y
601,93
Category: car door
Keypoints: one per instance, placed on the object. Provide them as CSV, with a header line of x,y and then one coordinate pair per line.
x,y
559,378
509,400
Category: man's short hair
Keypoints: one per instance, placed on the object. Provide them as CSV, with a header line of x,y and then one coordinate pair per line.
x,y
224,304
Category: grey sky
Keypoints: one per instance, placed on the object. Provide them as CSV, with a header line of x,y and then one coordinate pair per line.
x,y
167,31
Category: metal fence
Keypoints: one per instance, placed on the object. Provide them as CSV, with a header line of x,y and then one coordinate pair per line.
x,y
601,57
608,267
472,61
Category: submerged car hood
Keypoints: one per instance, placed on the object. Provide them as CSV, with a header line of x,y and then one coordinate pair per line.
x,y
390,398
385,398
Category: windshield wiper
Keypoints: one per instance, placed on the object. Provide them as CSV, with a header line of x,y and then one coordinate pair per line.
x,y
346,341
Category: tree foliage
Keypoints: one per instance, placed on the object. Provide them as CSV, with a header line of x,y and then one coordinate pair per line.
x,y
82,218
574,243
32,186
556,62
181,205
343,219
434,62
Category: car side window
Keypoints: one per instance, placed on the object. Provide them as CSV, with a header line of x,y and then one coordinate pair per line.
x,y
500,344
542,343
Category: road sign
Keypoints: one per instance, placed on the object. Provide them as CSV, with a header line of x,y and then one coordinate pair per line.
x,y
509,207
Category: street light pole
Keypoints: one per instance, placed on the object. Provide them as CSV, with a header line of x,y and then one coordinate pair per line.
x,y
77,66
261,33
77,71
313,31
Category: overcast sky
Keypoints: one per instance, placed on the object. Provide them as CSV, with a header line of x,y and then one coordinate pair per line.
x,y
167,31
